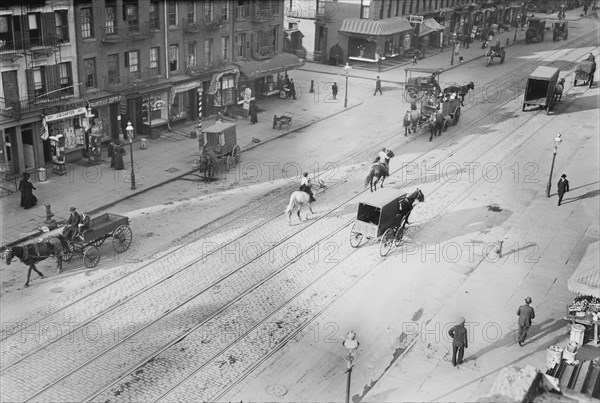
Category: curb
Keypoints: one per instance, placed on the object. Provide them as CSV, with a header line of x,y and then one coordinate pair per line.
x,y
179,176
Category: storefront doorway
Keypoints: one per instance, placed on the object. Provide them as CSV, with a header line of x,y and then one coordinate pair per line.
x,y
28,153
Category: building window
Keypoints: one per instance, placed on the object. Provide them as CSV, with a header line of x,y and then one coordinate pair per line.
x,y
110,25
10,85
66,78
241,45
225,10
226,89
131,16
87,23
191,54
209,10
90,72
172,13
154,59
132,61
208,51
38,82
62,25
225,47
153,15
113,68
35,32
191,12
173,57
364,8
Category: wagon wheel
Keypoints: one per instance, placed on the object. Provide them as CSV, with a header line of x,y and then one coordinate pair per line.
x,y
122,238
502,57
235,153
400,233
98,241
91,256
456,116
489,60
387,240
229,162
67,254
411,94
355,237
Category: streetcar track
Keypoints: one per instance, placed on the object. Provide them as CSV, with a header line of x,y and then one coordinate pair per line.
x,y
395,136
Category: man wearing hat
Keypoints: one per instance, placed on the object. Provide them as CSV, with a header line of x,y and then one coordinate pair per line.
x,y
459,342
526,315
84,225
563,187
72,223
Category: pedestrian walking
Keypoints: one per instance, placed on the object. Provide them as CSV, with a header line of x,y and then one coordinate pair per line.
x,y
585,8
28,200
379,62
526,315
253,112
414,59
459,342
378,86
292,89
118,152
563,187
334,90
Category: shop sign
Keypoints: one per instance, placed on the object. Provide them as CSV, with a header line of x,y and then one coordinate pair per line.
x,y
106,101
65,107
66,114
415,19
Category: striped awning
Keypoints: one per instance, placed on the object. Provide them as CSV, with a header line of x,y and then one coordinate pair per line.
x,y
387,26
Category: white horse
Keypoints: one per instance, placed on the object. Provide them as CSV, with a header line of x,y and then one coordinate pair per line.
x,y
298,200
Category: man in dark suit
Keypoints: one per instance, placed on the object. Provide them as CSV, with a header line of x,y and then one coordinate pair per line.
x,y
84,225
72,224
459,342
526,315
563,187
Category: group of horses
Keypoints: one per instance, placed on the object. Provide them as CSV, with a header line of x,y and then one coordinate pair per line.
x,y
436,121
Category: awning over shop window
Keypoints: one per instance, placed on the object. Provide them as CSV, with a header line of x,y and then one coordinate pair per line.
x,y
388,26
190,85
215,84
280,62
446,11
433,24
586,278
425,30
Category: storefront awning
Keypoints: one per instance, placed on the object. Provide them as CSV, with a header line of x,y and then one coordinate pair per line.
x,y
446,11
190,85
425,30
387,26
280,62
433,24
586,278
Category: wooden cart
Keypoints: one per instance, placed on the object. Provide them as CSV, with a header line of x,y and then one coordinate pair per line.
x,y
219,144
585,72
421,86
539,91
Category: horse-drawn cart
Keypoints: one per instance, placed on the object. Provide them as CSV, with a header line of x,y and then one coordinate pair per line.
x,y
219,148
283,120
585,72
540,88
560,29
421,86
378,217
107,225
493,52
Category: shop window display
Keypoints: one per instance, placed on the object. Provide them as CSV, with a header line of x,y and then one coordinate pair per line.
x,y
181,106
72,129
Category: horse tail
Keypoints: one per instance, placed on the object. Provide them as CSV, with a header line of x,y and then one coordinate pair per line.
x,y
369,178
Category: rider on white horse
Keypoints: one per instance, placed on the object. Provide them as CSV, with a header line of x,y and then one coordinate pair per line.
x,y
305,187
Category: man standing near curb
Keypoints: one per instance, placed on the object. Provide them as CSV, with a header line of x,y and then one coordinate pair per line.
x,y
378,86
563,187
459,342
526,315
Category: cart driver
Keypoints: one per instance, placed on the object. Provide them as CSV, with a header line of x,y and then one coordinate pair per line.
x,y
83,226
404,208
305,187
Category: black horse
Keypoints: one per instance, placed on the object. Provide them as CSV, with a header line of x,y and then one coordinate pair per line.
x,y
460,90
32,253
380,170
406,204
436,124
207,163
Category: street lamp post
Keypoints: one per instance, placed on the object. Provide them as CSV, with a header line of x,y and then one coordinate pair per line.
x,y
352,345
129,130
346,69
453,49
557,141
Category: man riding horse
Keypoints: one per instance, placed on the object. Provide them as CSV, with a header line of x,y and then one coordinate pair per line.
x,y
305,187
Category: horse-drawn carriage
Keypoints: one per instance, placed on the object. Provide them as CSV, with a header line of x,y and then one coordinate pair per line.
x,y
585,72
535,30
540,88
494,52
560,30
421,86
218,148
383,215
436,113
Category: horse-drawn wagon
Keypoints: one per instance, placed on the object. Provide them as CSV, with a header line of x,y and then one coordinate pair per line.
x,y
585,72
421,86
219,148
536,28
383,215
560,30
435,113
539,91
495,52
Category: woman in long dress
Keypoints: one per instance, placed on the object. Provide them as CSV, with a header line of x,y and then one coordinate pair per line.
x,y
26,188
118,152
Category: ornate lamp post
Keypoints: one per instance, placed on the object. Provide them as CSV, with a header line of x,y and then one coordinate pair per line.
x,y
352,345
346,69
453,49
557,141
129,130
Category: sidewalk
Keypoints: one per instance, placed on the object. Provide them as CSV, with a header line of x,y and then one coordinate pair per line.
x,y
95,188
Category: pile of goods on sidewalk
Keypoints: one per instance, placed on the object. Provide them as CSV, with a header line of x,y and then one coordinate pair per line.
x,y
585,306
511,385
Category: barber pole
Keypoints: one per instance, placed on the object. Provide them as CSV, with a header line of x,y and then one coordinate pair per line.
x,y
200,110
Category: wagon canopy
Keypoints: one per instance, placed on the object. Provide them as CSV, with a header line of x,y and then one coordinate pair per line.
x,y
586,66
428,70
218,127
545,73
382,197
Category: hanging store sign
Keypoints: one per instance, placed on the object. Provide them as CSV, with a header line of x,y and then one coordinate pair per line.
x,y
66,114
106,101
415,19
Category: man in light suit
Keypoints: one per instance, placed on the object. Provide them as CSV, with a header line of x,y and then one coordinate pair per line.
x,y
526,315
459,342
563,187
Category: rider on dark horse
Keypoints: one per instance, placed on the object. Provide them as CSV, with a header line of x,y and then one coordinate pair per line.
x,y
382,157
305,187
